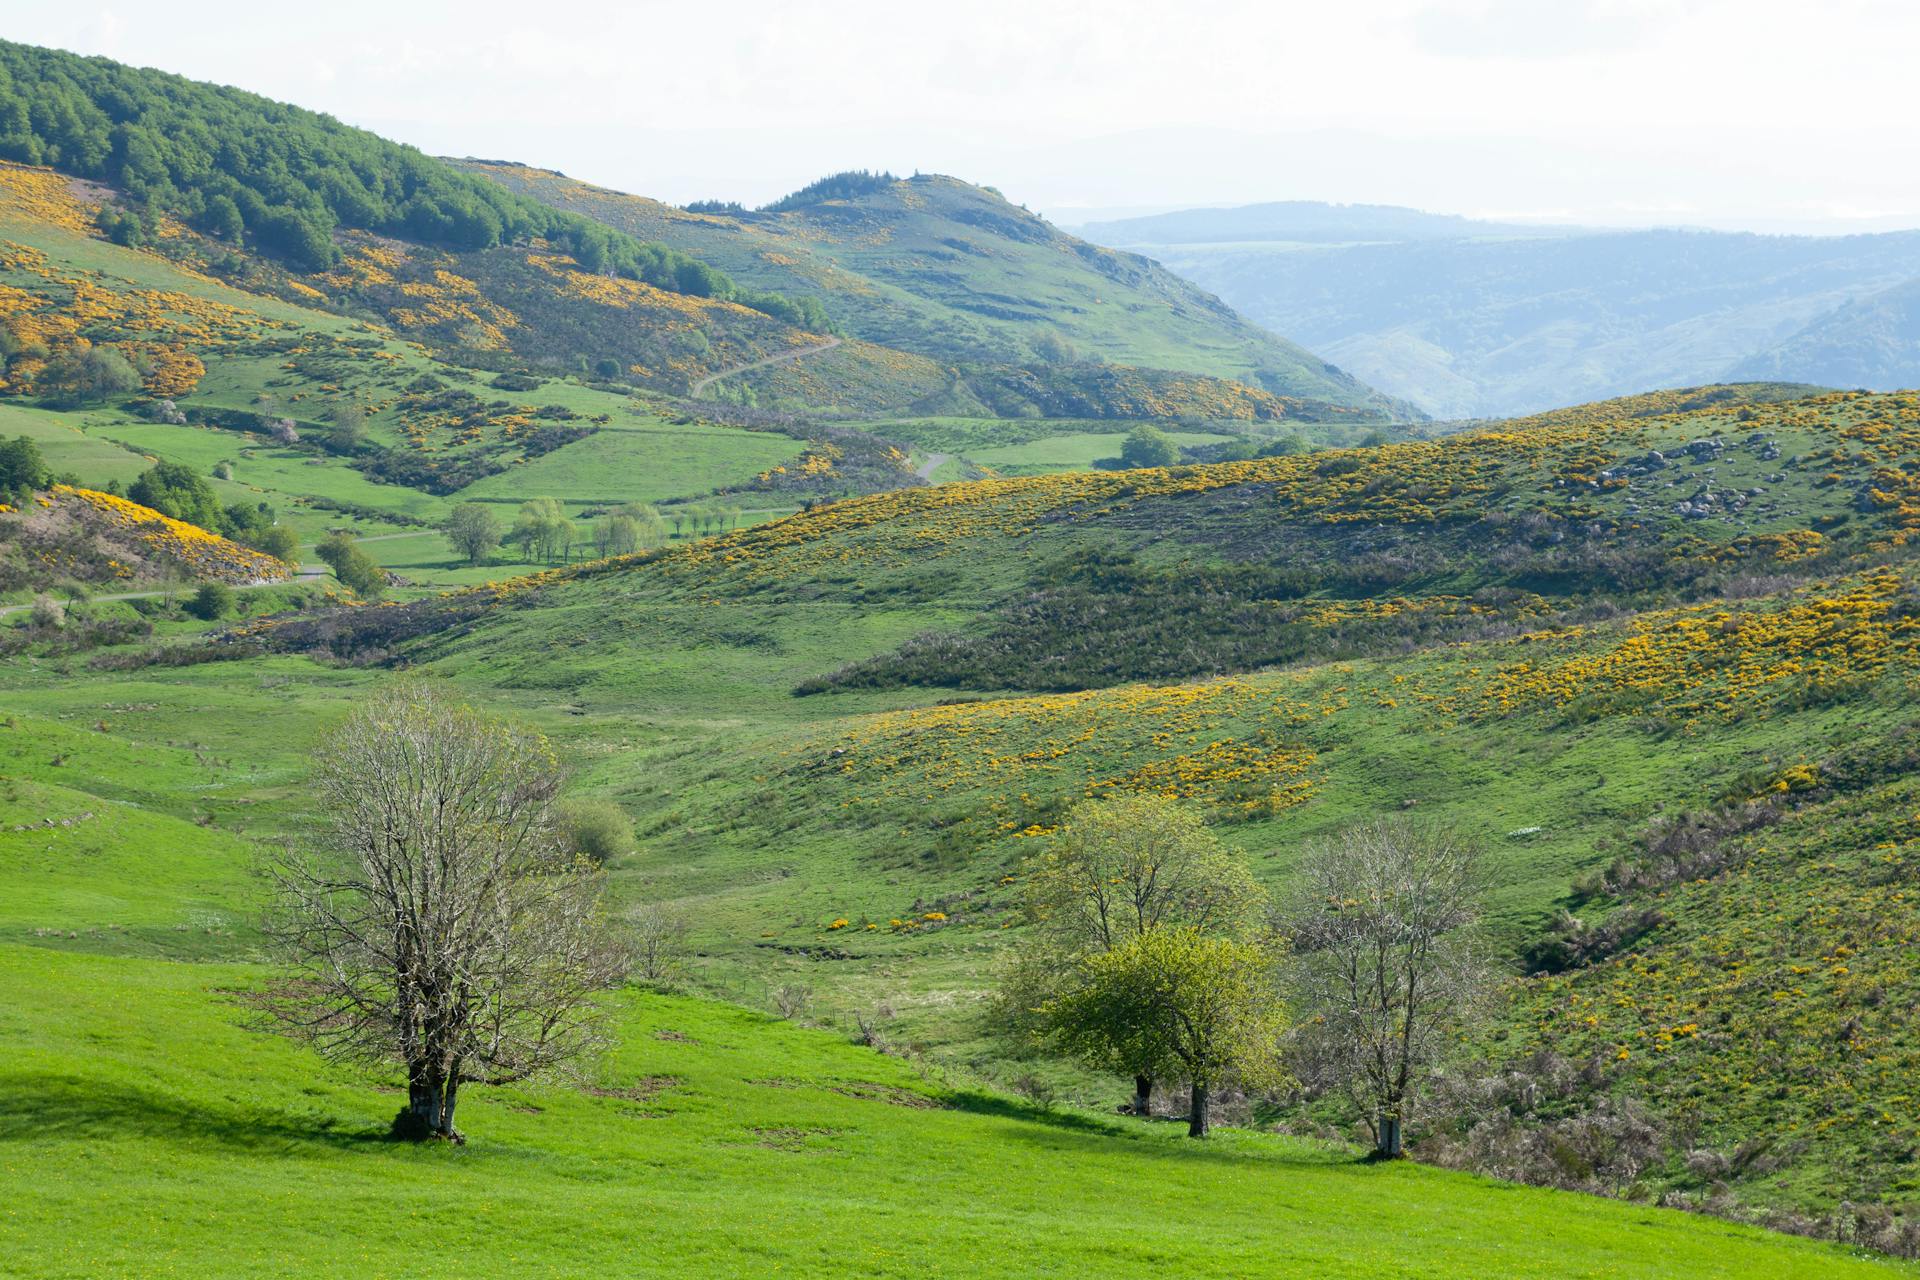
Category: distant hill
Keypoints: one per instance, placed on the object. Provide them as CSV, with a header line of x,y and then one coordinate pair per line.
x,y
954,272
1307,222
1873,342
1479,320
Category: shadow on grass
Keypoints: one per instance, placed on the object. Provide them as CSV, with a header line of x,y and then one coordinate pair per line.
x,y
37,1107
1066,1130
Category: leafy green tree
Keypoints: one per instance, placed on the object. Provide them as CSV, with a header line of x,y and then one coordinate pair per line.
x,y
472,530
22,468
246,521
1182,1000
88,374
600,829
1148,447
1052,347
616,535
347,426
352,565
650,530
542,529
278,541
177,490
1118,868
210,601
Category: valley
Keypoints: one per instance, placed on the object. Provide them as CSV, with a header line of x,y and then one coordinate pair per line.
x,y
829,564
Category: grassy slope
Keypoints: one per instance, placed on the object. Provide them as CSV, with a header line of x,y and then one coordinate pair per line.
x,y
769,817
946,269
254,347
712,1141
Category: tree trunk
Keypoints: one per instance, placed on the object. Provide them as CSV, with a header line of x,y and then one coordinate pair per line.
x,y
429,1111
1200,1114
1143,1095
1386,1143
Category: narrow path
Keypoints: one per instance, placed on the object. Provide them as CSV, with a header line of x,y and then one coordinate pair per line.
x,y
782,358
931,465
306,573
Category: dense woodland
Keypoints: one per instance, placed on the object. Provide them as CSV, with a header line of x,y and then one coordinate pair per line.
x,y
250,170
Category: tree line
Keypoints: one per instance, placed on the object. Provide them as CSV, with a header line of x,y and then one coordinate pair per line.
x,y
249,170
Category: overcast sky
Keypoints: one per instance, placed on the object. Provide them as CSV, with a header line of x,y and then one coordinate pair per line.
x,y
1749,113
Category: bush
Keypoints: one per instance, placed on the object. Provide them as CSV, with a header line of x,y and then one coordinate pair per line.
x,y
277,541
1148,447
22,469
212,601
177,490
353,566
598,828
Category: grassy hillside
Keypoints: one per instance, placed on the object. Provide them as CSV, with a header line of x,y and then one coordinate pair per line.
x,y
954,272
712,1141
1539,632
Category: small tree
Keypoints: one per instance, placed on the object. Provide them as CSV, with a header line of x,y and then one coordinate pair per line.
x,y
472,530
615,535
177,490
347,426
352,565
445,928
649,528
542,529
278,541
22,469
597,829
1386,968
211,601
659,941
1177,998
1148,447
1120,867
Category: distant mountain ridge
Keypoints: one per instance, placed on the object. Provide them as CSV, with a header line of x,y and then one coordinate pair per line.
x,y
1308,222
1474,319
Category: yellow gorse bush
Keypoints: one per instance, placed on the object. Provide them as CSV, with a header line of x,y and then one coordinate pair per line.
x,y
202,554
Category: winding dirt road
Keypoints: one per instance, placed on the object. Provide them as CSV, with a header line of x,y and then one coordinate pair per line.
x,y
305,573
701,386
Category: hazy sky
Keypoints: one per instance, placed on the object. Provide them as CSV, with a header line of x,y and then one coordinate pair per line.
x,y
1758,113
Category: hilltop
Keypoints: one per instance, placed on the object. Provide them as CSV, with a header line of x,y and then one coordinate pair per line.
x,y
956,273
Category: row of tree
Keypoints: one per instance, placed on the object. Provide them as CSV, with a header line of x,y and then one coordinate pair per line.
x,y
1153,953
451,922
542,530
251,170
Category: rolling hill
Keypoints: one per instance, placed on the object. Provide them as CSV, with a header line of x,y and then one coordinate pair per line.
x,y
954,272
1477,320
1568,635
892,613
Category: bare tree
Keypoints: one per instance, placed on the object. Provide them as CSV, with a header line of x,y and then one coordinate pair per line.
x,y
1386,969
443,927
659,944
